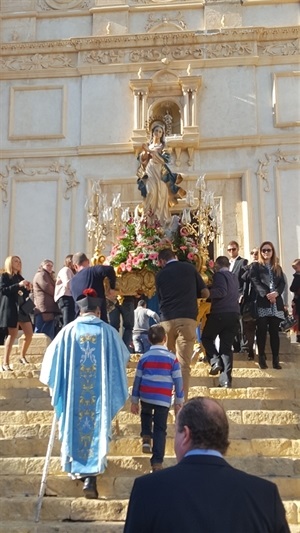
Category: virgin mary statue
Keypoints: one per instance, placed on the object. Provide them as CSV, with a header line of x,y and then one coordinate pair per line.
x,y
157,183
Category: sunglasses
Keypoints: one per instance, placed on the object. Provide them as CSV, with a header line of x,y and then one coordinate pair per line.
x,y
254,253
231,249
267,250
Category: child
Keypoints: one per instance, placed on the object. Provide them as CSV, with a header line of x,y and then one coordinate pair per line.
x,y
157,372
295,288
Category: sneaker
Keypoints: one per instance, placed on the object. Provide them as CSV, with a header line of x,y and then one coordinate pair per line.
x,y
146,446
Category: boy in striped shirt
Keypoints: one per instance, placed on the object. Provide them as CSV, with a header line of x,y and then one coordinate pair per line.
x,y
158,372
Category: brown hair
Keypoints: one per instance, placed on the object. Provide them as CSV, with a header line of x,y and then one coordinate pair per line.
x,y
273,260
295,263
68,261
207,422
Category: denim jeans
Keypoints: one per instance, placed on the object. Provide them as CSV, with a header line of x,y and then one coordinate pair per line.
x,y
155,415
141,342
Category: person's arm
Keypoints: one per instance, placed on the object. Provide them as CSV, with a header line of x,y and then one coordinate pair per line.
x,y
7,288
109,272
178,383
256,281
153,315
135,395
66,275
219,288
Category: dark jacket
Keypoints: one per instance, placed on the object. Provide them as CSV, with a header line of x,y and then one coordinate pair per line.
x,y
11,296
224,293
295,288
93,278
260,279
204,494
238,269
178,286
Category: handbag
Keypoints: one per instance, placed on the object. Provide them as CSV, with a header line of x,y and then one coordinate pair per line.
x,y
28,306
288,323
249,311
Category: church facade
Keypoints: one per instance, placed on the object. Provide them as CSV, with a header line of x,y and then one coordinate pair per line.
x,y
81,83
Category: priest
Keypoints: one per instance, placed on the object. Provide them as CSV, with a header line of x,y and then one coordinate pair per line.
x,y
85,369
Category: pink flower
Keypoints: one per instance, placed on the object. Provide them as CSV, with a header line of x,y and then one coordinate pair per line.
x,y
211,263
123,267
128,268
183,232
153,256
190,256
183,248
135,261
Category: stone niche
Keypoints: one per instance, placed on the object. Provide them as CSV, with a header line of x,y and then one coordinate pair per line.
x,y
170,99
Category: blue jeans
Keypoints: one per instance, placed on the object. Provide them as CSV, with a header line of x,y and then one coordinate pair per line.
x,y
155,415
141,342
40,326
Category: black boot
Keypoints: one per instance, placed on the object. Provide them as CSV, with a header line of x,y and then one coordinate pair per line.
x,y
276,364
262,362
90,488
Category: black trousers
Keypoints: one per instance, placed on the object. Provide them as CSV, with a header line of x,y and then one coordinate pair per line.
x,y
264,324
224,325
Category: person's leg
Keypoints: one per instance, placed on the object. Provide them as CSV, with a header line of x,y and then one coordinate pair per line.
x,y
230,326
170,329
146,425
145,342
261,337
127,311
114,317
209,334
67,308
159,434
10,339
28,332
186,335
274,322
137,343
249,332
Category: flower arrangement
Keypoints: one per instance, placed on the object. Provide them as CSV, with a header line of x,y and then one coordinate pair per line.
x,y
140,242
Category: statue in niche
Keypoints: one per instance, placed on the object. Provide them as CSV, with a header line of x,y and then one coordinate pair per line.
x,y
168,120
159,186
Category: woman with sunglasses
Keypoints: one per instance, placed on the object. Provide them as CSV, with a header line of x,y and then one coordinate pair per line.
x,y
268,281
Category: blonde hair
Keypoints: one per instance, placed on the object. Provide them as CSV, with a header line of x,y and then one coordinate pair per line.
x,y
8,264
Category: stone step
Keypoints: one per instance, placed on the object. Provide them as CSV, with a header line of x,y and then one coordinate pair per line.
x,y
127,429
63,527
18,509
127,446
139,464
108,486
74,527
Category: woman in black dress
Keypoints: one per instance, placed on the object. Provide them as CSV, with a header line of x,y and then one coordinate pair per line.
x,y
14,290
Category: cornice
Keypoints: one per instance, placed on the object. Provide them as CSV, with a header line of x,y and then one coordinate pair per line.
x,y
152,39
218,143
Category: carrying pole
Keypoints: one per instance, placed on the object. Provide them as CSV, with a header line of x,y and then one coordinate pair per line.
x,y
45,469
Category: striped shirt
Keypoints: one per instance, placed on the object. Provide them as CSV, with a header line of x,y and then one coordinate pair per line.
x,y
158,371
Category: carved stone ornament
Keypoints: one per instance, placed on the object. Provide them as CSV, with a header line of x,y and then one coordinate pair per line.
x,y
277,157
56,168
64,4
136,282
287,48
36,62
154,20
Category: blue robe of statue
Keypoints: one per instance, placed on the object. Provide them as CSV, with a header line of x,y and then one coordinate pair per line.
x,y
85,368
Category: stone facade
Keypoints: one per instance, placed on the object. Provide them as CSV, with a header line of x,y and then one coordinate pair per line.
x,y
80,79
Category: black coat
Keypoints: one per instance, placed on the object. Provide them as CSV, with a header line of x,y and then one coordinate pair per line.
x,y
11,296
204,494
260,280
238,269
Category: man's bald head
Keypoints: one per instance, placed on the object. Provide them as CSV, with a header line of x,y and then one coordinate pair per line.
x,y
207,424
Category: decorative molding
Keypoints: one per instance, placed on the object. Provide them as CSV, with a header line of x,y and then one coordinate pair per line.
x,y
64,4
37,62
19,168
284,48
103,57
277,157
4,184
164,20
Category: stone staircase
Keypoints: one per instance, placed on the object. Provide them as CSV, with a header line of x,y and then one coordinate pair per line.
x,y
264,413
